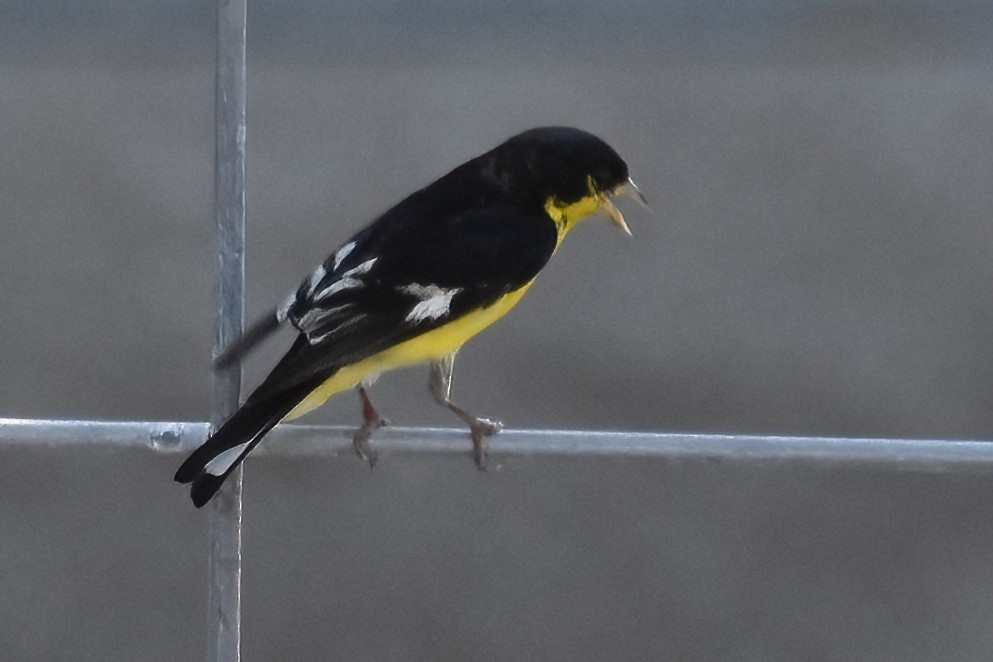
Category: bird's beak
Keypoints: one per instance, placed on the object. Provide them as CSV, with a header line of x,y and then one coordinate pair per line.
x,y
627,189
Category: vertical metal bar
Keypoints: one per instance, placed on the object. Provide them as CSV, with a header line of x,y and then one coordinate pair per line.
x,y
224,589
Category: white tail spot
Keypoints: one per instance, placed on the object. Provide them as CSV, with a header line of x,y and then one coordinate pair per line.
x,y
220,464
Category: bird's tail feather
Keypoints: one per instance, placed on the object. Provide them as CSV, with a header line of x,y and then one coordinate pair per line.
x,y
257,332
208,466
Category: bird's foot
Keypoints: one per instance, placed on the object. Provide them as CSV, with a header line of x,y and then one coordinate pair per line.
x,y
480,429
360,440
372,420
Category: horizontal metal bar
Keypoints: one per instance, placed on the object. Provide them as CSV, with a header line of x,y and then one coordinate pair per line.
x,y
124,434
311,440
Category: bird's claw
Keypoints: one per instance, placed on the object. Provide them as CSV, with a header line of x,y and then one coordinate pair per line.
x,y
480,429
360,440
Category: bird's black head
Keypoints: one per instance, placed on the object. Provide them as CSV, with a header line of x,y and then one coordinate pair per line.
x,y
566,171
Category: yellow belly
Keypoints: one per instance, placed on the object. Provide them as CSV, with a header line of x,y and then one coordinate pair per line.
x,y
428,346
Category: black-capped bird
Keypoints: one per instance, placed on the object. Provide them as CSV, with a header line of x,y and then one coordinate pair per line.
x,y
412,287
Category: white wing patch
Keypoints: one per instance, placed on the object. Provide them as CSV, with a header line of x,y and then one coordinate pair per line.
x,y
313,340
346,280
315,316
337,286
315,278
360,269
434,301
342,254
303,307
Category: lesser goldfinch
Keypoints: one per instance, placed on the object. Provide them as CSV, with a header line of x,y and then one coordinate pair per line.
x,y
412,287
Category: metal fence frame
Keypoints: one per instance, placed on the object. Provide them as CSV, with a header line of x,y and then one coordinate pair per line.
x,y
224,575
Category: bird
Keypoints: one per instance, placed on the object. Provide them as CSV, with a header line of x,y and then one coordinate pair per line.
x,y
414,285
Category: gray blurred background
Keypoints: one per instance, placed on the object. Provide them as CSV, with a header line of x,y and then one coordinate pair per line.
x,y
817,263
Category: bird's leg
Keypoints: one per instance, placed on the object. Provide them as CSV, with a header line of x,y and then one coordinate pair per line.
x,y
371,421
479,428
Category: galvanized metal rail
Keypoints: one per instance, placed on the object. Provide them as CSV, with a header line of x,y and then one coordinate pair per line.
x,y
921,455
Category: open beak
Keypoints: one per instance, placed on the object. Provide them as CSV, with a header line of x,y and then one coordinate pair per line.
x,y
627,189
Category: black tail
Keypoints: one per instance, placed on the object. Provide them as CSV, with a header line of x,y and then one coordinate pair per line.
x,y
208,466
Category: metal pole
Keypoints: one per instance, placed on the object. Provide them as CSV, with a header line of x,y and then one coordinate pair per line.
x,y
224,581
912,455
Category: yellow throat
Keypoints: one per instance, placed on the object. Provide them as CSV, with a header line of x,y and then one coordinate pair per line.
x,y
566,215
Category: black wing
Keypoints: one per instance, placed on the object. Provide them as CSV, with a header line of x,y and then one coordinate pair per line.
x,y
415,269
